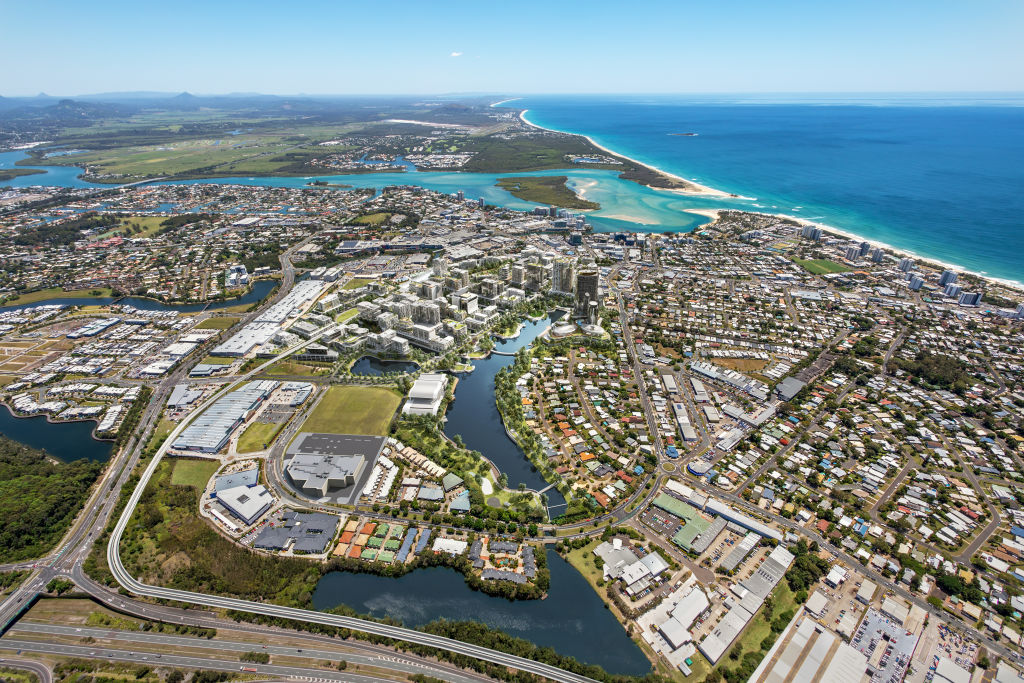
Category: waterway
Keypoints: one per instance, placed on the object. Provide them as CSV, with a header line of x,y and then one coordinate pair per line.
x,y
474,415
65,440
259,291
572,620
625,205
370,365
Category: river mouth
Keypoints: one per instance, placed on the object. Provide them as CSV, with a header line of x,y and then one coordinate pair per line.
x,y
572,619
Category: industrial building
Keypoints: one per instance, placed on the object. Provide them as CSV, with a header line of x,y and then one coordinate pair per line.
x,y
211,431
811,652
302,532
332,465
247,503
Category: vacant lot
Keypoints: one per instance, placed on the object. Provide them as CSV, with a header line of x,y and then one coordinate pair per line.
x,y
357,282
193,472
820,266
221,323
57,292
373,218
257,436
353,410
741,364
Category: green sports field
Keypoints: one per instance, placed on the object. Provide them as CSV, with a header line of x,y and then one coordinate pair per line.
x,y
821,266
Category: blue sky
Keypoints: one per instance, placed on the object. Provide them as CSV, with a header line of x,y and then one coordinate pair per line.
x,y
421,46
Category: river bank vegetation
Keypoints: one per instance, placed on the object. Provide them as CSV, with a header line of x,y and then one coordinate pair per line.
x,y
550,190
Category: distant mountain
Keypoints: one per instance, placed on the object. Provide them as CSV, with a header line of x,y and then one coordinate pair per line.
x,y
29,114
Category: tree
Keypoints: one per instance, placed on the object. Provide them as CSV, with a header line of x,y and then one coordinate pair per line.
x,y
59,586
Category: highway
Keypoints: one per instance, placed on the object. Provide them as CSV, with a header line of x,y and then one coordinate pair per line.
x,y
39,669
129,582
158,641
183,661
67,562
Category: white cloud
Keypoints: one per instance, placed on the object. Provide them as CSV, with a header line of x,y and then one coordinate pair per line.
x,y
455,54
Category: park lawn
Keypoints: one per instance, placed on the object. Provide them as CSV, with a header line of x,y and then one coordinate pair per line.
x,y
353,410
193,472
221,323
583,561
57,292
821,266
357,282
373,218
257,436
345,316
148,226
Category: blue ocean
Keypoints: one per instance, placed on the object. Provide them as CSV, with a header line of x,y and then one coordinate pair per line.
x,y
940,177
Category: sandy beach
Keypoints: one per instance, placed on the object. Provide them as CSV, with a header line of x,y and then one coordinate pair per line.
x,y
704,191
899,251
710,213
692,188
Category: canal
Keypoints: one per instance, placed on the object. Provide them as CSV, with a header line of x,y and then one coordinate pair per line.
x,y
474,415
572,619
259,291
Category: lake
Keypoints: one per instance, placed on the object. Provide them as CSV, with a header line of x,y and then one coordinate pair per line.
x,y
573,619
65,440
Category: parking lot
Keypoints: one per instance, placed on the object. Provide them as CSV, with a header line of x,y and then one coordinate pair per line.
x,y
661,522
887,646
938,641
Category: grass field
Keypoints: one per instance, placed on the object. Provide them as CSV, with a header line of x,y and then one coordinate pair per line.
x,y
583,560
257,436
373,218
821,266
221,323
353,410
219,360
147,226
357,282
193,472
57,292
290,368
345,316
545,190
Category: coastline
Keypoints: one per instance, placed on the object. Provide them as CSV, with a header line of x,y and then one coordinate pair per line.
x,y
840,232
698,191
899,251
